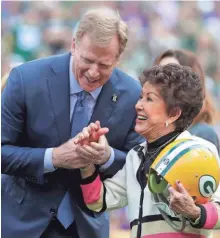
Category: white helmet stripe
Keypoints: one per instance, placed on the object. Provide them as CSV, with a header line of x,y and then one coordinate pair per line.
x,y
168,158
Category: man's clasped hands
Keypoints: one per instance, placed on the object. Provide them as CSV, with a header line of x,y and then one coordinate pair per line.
x,y
88,147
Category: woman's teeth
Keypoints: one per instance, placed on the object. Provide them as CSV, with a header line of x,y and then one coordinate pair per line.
x,y
142,118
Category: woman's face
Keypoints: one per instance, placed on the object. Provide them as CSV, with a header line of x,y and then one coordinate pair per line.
x,y
151,114
168,60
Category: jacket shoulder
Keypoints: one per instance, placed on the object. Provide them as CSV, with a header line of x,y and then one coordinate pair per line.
x,y
126,83
44,66
125,78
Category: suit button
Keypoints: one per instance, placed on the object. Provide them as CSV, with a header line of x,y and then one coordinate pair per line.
x,y
53,212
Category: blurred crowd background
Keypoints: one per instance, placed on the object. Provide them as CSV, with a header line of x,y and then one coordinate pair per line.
x,y
40,28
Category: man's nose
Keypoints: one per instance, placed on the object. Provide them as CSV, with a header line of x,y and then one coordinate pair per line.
x,y
94,71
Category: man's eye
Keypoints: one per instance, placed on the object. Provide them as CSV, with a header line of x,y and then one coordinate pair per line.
x,y
87,61
104,66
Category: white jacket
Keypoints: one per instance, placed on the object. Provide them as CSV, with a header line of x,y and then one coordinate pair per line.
x,y
123,189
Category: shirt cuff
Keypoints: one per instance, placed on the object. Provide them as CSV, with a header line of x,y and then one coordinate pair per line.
x,y
48,164
109,162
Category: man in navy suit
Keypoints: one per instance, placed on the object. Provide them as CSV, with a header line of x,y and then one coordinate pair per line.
x,y
41,195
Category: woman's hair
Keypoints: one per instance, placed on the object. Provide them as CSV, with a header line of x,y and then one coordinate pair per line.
x,y
180,88
102,24
187,58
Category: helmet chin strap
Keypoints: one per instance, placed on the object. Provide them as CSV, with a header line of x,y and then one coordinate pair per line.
x,y
179,225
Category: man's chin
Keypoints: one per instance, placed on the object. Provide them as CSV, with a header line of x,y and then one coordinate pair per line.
x,y
88,88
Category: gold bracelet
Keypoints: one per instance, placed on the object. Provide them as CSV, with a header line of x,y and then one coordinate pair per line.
x,y
85,168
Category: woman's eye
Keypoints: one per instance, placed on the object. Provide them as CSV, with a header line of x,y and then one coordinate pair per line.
x,y
145,98
149,99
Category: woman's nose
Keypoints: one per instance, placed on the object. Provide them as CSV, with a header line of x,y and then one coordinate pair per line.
x,y
138,105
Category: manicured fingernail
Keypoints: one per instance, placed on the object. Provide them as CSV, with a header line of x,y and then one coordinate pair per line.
x,y
178,181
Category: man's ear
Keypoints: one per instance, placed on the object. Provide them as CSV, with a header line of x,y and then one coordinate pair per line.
x,y
117,63
119,59
73,46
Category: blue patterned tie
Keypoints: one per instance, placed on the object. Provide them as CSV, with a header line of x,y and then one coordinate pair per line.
x,y
80,114
78,122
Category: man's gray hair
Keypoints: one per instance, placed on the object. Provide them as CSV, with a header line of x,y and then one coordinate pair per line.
x,y
102,24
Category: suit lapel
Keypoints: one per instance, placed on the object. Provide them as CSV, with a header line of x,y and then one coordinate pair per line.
x,y
106,101
59,90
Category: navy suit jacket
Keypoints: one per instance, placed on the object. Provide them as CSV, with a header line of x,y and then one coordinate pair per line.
x,y
36,116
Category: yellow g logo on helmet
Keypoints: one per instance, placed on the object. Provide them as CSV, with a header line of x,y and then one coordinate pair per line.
x,y
190,162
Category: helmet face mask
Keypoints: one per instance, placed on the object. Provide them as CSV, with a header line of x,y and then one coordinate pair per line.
x,y
162,204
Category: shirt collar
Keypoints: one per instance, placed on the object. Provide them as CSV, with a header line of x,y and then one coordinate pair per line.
x,y
75,87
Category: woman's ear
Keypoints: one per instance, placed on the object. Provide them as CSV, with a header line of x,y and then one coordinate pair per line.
x,y
174,115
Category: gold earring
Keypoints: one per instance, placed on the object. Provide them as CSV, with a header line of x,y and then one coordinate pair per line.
x,y
166,123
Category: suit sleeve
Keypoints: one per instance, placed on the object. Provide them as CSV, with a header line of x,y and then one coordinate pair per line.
x,y
16,159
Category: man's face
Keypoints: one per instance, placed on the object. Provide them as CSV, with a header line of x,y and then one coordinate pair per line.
x,y
93,65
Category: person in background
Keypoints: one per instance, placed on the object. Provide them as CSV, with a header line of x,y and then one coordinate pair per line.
x,y
45,104
202,124
4,81
172,96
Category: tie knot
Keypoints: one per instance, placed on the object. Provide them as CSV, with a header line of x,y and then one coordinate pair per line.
x,y
81,98
81,95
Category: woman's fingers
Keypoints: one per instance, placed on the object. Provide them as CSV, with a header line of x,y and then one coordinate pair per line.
x,y
180,188
94,126
98,124
96,134
90,134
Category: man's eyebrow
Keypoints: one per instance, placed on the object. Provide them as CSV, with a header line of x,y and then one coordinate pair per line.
x,y
100,63
106,64
86,58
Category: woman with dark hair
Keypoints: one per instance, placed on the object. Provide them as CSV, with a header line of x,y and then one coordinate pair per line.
x,y
171,98
202,123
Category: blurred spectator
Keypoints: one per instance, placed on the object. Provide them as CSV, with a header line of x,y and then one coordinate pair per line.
x,y
45,27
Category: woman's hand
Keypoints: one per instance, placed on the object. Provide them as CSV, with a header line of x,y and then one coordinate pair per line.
x,y
90,134
88,171
91,148
181,202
